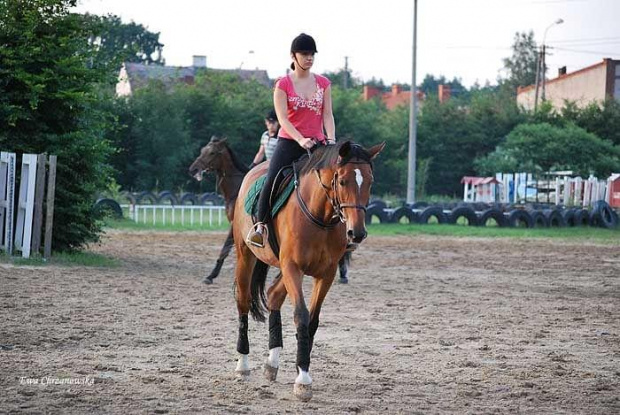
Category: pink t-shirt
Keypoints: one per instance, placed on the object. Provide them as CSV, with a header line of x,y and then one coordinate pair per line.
x,y
306,115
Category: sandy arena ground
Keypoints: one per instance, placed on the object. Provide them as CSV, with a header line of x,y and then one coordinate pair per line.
x,y
426,325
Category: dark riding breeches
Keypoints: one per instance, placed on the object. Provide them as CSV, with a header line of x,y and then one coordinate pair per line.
x,y
286,152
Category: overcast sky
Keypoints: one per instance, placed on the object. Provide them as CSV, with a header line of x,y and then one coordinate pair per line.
x,y
462,38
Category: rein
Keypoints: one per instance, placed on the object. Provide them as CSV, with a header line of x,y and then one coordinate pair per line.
x,y
337,205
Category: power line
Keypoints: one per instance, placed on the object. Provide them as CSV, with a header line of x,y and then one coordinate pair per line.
x,y
588,51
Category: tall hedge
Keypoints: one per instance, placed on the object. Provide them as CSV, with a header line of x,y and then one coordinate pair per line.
x,y
50,103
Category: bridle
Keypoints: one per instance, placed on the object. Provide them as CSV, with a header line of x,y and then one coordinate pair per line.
x,y
335,201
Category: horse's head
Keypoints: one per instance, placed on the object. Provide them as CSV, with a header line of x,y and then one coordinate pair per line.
x,y
351,186
209,158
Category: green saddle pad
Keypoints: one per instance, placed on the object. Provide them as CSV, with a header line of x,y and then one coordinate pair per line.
x,y
251,199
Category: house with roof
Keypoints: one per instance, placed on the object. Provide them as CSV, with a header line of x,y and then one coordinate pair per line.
x,y
397,97
134,76
595,83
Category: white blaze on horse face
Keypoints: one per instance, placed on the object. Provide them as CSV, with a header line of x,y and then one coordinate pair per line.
x,y
274,357
359,179
303,378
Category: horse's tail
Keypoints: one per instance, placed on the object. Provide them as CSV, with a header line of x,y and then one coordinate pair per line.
x,y
258,303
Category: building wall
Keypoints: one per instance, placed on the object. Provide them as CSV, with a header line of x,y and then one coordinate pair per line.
x,y
616,87
123,88
583,87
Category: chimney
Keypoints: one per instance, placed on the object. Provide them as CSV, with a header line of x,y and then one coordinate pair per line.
x,y
199,61
444,93
370,92
562,71
396,89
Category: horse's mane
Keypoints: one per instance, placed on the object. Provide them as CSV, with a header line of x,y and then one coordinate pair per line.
x,y
327,156
233,157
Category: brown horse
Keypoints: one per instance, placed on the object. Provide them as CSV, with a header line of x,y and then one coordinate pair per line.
x,y
312,231
217,156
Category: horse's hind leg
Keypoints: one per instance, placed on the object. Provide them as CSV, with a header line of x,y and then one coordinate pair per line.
x,y
276,296
220,261
343,266
243,276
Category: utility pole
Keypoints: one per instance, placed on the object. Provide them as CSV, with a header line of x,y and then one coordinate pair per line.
x,y
544,54
538,62
413,109
346,72
544,72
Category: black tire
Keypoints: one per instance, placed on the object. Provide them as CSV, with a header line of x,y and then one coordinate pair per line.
x,y
377,203
494,214
128,196
432,211
481,206
417,205
188,199
463,212
108,208
378,212
521,219
404,213
146,198
554,218
603,216
539,220
167,197
211,198
569,216
581,217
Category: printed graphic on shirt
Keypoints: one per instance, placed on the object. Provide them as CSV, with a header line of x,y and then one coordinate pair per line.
x,y
315,104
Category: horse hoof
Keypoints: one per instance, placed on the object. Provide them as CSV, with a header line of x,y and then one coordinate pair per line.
x,y
242,374
303,392
270,372
207,281
343,280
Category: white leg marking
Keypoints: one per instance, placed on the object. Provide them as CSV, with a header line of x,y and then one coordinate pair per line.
x,y
243,364
274,357
303,378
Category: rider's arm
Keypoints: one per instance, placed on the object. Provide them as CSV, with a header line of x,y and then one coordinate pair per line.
x,y
328,116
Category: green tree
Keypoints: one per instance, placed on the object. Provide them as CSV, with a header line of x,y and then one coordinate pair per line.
x,y
545,147
114,42
521,66
50,103
430,86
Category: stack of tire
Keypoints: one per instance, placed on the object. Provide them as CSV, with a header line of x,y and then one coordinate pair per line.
x,y
501,215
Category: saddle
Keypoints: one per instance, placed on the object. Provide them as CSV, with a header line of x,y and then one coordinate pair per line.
x,y
279,194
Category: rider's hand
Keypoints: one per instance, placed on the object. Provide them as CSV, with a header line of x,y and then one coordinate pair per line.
x,y
307,143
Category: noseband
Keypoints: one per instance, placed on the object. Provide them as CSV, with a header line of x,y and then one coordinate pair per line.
x,y
335,201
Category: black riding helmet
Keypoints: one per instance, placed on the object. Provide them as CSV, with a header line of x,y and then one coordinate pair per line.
x,y
303,43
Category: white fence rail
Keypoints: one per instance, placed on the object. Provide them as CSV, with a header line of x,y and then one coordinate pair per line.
x,y
177,214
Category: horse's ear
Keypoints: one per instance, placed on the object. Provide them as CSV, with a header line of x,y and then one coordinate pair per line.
x,y
344,151
375,150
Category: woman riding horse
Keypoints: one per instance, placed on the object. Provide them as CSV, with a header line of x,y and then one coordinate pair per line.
x,y
218,157
312,231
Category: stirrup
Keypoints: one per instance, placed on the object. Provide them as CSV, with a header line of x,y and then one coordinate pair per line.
x,y
255,230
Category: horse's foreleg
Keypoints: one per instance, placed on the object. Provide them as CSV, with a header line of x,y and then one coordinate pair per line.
x,y
319,292
292,279
220,261
275,298
243,276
